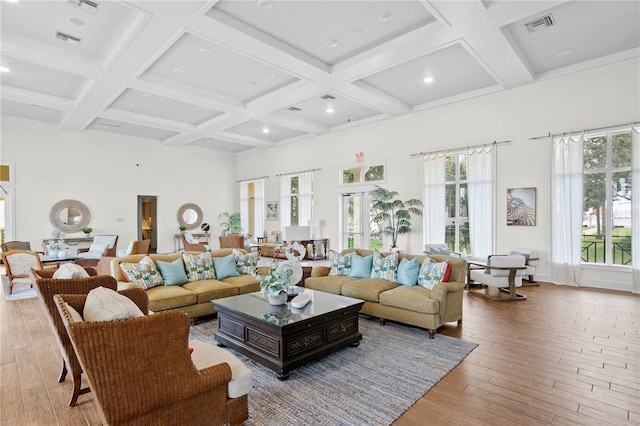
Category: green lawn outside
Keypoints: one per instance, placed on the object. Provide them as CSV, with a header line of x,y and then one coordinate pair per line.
x,y
593,247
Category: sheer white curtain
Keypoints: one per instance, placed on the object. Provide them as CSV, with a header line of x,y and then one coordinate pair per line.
x,y
285,201
566,209
480,186
305,198
244,206
435,214
258,207
635,206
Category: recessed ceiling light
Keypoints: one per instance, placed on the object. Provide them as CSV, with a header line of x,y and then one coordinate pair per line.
x,y
76,21
4,69
332,43
147,95
386,17
357,31
178,70
269,76
265,130
204,51
565,53
264,4
329,109
428,80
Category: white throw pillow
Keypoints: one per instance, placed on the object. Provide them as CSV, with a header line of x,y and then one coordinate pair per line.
x,y
75,315
104,304
98,247
70,270
189,238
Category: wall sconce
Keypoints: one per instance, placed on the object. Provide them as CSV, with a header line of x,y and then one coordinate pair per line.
x,y
359,157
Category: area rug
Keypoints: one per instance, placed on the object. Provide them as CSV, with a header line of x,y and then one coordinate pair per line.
x,y
20,291
372,384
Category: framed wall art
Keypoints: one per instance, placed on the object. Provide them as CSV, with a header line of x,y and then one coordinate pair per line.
x,y
272,210
521,207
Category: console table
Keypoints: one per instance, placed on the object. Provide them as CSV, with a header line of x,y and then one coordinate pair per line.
x,y
67,241
317,248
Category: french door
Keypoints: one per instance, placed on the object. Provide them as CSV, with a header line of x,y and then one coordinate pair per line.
x,y
358,229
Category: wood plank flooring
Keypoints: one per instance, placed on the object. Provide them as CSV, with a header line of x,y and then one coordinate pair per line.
x,y
565,356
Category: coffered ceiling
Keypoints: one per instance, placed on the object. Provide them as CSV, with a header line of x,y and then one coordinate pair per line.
x,y
238,75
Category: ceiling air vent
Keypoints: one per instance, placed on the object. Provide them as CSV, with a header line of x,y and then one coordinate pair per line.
x,y
75,41
86,5
540,23
327,97
294,109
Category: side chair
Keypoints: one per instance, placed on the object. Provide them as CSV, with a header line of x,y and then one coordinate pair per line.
x,y
17,264
47,287
192,244
16,245
502,271
102,245
151,377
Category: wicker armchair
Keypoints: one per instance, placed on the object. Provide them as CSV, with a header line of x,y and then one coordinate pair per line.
x,y
47,287
150,377
191,244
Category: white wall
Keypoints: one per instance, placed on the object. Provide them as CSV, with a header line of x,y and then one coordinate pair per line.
x,y
107,173
603,96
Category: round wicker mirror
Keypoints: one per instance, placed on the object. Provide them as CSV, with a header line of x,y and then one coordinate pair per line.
x,y
69,215
190,216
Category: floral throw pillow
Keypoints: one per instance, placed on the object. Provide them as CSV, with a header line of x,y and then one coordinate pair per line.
x,y
246,263
384,268
340,265
144,273
199,266
431,273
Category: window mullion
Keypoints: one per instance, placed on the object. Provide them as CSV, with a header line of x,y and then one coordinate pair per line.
x,y
608,206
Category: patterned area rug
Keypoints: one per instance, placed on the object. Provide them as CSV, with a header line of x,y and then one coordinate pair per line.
x,y
372,384
20,291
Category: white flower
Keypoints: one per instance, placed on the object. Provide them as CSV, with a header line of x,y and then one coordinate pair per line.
x,y
277,281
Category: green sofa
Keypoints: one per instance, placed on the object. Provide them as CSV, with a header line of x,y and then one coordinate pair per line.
x,y
413,305
195,297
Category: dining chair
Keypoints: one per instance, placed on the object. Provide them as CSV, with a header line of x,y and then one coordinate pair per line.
x,y
17,264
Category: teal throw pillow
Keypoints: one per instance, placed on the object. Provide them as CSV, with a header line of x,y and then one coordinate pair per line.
x,y
173,273
408,272
225,266
360,266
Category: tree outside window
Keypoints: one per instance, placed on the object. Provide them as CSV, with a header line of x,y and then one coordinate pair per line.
x,y
457,203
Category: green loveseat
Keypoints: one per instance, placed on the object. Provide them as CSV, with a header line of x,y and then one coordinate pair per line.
x,y
195,297
413,305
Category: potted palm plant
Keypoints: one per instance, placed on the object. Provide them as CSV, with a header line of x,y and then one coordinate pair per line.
x,y
393,214
231,229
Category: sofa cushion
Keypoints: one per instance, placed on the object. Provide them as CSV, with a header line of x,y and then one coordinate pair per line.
x,y
199,266
205,355
207,290
340,264
384,267
360,266
173,273
367,289
169,297
225,266
413,298
408,272
104,304
246,263
69,271
327,284
432,273
143,272
244,283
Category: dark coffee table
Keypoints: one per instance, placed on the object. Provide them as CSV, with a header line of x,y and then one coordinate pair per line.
x,y
282,337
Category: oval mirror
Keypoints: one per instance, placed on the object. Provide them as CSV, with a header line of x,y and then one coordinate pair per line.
x,y
190,216
69,215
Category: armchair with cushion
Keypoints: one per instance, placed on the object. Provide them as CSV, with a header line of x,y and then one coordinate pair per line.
x,y
503,272
136,247
151,377
17,265
103,245
190,243
47,286
531,261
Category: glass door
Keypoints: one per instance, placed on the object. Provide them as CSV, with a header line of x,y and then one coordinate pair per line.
x,y
358,229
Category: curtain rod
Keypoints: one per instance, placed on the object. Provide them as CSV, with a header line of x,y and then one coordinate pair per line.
x,y
295,173
631,123
250,179
464,148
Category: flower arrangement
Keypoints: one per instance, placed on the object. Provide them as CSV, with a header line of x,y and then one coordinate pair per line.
x,y
55,245
277,281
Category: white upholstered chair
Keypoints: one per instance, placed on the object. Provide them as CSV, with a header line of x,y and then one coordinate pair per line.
x,y
531,261
501,271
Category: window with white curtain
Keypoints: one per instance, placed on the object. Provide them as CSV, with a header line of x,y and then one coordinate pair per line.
x,y
296,199
594,216
460,206
252,207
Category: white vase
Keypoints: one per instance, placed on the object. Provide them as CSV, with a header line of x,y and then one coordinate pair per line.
x,y
278,299
53,254
62,254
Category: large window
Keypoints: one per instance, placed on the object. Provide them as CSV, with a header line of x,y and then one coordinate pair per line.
x,y
296,199
252,207
457,203
606,224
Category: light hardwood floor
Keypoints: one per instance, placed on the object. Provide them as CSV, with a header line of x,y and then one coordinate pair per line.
x,y
564,356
